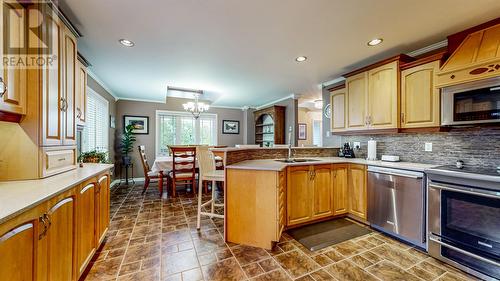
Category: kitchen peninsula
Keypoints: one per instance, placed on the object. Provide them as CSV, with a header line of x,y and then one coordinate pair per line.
x,y
276,195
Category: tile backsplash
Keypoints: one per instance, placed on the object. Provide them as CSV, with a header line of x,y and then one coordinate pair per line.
x,y
475,147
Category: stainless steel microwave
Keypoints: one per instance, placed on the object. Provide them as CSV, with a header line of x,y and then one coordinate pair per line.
x,y
471,103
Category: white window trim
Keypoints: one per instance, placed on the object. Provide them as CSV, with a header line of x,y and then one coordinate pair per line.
x,y
183,113
102,99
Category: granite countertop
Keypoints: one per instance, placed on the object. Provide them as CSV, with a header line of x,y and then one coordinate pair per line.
x,y
225,149
19,196
272,165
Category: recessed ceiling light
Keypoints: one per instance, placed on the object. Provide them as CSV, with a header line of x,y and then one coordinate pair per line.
x,y
126,43
300,59
375,42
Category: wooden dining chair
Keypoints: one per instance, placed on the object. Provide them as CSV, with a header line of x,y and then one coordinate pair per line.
x,y
183,167
150,176
208,172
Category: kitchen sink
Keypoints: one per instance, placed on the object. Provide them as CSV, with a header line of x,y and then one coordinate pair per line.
x,y
297,160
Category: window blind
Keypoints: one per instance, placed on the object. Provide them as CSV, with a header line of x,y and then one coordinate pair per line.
x,y
95,133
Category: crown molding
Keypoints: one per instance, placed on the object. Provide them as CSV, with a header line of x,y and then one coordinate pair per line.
x,y
292,96
100,82
142,100
435,46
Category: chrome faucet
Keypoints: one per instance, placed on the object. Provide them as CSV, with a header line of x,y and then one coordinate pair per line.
x,y
289,158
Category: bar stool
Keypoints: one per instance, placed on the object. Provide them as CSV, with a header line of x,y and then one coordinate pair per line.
x,y
208,172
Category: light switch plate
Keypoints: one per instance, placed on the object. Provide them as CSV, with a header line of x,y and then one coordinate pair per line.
x,y
428,146
327,134
356,145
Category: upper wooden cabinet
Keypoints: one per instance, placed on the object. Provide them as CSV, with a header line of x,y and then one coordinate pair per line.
x,y
81,93
14,78
420,105
357,190
357,99
338,114
383,96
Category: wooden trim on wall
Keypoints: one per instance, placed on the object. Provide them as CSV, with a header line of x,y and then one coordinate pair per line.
x,y
10,117
402,58
335,87
426,59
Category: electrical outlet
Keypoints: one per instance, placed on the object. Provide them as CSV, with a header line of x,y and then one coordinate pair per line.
x,y
356,145
428,146
327,134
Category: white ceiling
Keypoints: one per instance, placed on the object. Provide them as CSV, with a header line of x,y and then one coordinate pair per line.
x,y
241,53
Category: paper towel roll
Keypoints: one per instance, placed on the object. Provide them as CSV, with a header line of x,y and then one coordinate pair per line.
x,y
372,150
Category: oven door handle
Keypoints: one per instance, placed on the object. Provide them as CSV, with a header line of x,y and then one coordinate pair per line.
x,y
438,240
441,187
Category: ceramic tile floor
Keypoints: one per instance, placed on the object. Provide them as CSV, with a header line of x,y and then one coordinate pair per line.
x,y
156,239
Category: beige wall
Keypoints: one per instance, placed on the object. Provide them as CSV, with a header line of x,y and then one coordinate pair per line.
x,y
307,116
94,85
126,107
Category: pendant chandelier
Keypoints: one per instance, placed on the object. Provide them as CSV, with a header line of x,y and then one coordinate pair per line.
x,y
196,108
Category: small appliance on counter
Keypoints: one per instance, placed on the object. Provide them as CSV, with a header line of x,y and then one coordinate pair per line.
x,y
390,158
347,151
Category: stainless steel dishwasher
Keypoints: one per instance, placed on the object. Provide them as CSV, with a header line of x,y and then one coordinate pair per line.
x,y
396,203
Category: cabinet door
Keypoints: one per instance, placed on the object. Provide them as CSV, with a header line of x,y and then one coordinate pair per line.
x,y
81,94
14,77
69,67
299,207
58,244
340,192
18,243
420,97
356,88
337,102
86,224
102,213
357,190
383,96
52,95
322,191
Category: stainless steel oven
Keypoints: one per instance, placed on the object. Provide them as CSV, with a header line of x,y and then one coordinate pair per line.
x,y
471,103
464,225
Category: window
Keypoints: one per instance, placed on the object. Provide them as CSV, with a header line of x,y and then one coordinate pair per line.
x,y
95,133
317,141
180,128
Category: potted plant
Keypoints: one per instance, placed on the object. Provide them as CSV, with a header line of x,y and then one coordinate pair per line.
x,y
127,144
93,157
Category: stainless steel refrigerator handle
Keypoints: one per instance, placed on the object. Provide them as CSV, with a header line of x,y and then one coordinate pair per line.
x,y
435,186
437,240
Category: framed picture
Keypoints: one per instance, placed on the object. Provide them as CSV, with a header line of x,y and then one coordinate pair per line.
x,y
302,131
112,122
230,127
140,123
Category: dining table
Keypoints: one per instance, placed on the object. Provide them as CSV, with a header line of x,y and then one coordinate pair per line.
x,y
165,163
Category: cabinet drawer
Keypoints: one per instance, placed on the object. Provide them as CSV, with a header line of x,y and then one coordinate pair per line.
x,y
58,160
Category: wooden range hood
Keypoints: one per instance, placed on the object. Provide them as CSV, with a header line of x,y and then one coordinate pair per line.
x,y
476,58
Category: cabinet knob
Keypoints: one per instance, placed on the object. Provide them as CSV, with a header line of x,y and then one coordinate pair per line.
x,y
64,104
3,87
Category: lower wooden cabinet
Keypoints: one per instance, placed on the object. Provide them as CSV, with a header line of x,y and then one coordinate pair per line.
x,y
56,239
309,193
340,189
357,190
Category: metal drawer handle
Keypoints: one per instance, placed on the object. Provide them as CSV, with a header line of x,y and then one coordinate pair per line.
x,y
437,240
434,186
64,105
43,219
61,159
3,87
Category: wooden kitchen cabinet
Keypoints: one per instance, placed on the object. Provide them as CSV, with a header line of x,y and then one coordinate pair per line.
x,y
13,99
56,242
357,190
299,199
309,193
383,96
356,92
69,82
340,189
81,93
102,207
322,191
338,115
420,104
86,224
18,246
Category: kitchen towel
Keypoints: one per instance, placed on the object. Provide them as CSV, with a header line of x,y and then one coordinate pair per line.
x,y
372,150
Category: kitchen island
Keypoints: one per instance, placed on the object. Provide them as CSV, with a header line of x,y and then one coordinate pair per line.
x,y
266,196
